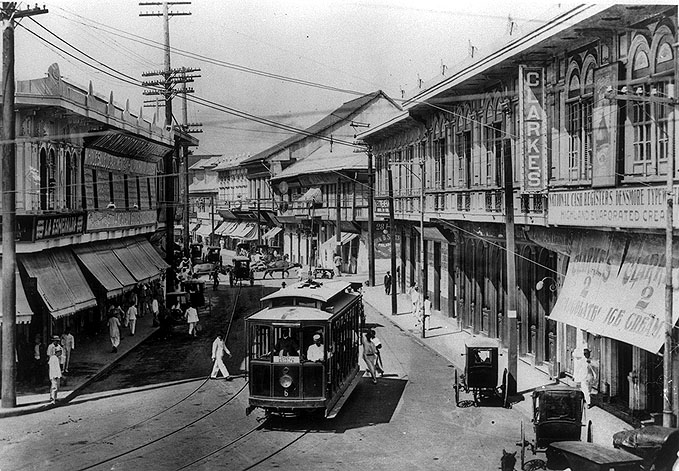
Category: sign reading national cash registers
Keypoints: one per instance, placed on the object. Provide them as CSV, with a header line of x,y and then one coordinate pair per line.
x,y
631,207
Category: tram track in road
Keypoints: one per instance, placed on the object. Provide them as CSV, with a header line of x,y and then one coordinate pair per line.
x,y
166,435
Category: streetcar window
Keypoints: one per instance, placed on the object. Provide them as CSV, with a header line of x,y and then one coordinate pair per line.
x,y
286,344
260,342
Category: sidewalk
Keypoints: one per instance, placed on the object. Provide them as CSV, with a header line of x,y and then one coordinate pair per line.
x,y
445,337
91,358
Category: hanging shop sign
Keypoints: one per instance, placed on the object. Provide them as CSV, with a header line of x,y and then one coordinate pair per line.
x,y
104,160
630,207
615,287
381,206
106,220
533,132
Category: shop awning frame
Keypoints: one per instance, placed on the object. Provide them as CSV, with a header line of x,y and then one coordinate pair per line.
x,y
24,313
271,233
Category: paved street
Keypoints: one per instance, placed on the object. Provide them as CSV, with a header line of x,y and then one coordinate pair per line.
x,y
155,410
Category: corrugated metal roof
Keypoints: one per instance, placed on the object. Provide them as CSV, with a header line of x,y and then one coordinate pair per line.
x,y
340,114
324,161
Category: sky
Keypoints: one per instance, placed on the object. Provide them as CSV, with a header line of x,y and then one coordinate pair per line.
x,y
340,49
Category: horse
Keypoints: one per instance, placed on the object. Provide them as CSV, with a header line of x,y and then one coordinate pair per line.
x,y
508,461
282,266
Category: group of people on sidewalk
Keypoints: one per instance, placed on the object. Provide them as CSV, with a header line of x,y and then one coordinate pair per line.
x,y
420,305
59,358
143,300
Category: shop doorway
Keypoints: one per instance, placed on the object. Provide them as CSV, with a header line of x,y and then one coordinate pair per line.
x,y
624,368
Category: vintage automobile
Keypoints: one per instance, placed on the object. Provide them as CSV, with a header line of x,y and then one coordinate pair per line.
x,y
481,373
657,446
196,253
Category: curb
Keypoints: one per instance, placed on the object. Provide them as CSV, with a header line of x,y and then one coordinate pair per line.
x,y
25,410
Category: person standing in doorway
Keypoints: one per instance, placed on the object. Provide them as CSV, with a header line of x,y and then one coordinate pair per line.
x,y
426,310
218,351
387,283
131,318
114,331
55,374
584,374
68,344
192,319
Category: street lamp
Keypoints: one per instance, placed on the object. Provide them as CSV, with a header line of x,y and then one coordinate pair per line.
x,y
541,284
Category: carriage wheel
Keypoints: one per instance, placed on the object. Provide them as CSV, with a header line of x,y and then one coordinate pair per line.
x,y
589,432
505,392
523,445
457,389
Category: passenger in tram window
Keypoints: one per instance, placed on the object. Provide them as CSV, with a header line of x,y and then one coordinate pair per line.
x,y
286,345
315,350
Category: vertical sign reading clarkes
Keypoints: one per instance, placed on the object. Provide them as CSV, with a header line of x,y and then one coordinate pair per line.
x,y
533,122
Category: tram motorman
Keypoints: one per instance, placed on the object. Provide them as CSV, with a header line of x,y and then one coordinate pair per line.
x,y
286,345
315,350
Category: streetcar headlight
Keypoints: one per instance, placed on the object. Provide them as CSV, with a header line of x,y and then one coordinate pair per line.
x,y
286,381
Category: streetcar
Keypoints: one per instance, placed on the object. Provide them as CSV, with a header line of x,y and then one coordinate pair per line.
x,y
303,348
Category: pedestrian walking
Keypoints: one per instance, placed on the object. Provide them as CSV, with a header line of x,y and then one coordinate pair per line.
x,y
155,310
68,344
51,348
218,351
415,299
387,283
379,367
114,331
370,354
584,373
55,373
131,318
215,280
191,316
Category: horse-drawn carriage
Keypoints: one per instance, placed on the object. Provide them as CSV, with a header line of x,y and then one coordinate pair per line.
x,y
557,417
241,271
481,373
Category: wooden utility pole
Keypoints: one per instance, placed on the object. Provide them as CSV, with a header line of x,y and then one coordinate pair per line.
x,y
167,91
513,353
8,170
392,237
371,223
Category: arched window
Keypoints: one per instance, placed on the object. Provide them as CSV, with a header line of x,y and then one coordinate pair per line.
x,y
579,104
650,74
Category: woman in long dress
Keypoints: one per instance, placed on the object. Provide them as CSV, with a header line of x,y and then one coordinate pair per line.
x,y
370,354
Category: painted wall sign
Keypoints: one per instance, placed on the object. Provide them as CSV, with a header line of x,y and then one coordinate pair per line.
x,y
631,207
533,132
106,220
30,228
113,163
604,119
615,287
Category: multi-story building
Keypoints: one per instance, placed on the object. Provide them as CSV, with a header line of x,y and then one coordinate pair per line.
x,y
584,109
87,202
316,179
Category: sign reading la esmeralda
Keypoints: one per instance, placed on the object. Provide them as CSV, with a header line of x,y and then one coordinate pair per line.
x,y
641,207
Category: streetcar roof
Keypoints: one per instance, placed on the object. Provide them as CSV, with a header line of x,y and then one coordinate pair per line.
x,y
290,314
323,292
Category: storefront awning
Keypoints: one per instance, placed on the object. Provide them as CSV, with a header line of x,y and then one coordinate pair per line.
x,y
345,239
134,259
226,228
60,283
312,195
615,287
91,257
24,313
205,230
152,255
434,233
271,233
242,230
